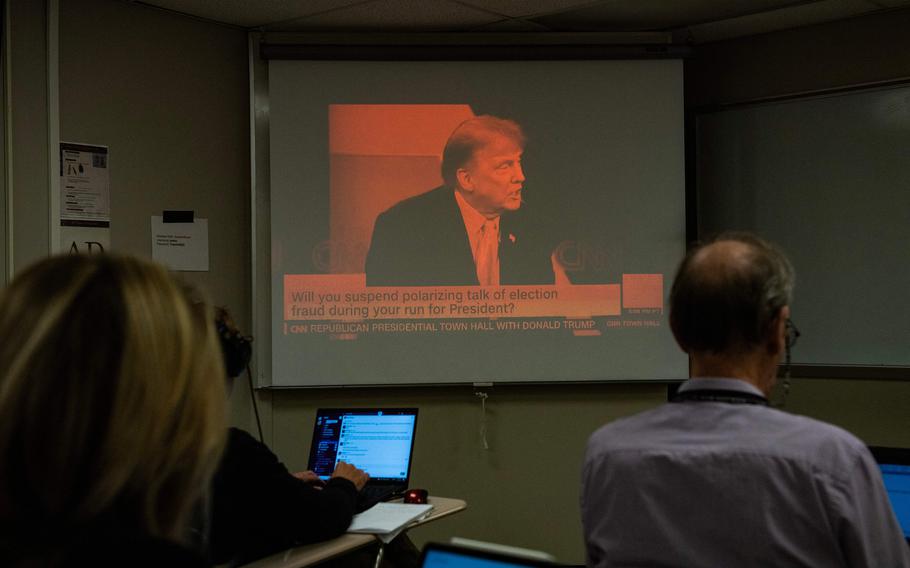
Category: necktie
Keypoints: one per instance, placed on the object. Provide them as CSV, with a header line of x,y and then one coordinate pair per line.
x,y
487,255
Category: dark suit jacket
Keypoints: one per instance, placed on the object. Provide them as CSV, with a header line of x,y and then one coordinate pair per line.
x,y
422,241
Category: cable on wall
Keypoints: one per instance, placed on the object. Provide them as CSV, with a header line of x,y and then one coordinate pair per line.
x,y
482,395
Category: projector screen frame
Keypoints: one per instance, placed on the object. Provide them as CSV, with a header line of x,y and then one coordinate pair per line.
x,y
265,46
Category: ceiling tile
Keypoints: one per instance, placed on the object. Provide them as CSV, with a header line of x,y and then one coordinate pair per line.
x,y
707,20
527,8
512,25
654,15
251,14
395,15
785,18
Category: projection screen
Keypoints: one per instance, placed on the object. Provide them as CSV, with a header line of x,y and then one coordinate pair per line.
x,y
374,258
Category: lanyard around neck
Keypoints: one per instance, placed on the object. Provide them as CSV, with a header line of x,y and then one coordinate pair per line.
x,y
717,395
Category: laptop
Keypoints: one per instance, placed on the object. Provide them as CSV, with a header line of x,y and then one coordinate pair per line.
x,y
379,441
894,464
436,555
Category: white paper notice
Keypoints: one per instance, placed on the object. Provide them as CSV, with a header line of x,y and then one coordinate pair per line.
x,y
84,183
181,246
85,198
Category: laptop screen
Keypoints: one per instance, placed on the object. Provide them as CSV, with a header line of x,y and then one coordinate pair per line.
x,y
894,464
447,556
379,441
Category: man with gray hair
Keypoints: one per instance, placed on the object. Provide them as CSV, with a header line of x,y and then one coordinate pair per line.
x,y
473,230
717,477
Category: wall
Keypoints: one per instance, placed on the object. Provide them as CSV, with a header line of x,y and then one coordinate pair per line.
x,y
168,94
855,51
28,152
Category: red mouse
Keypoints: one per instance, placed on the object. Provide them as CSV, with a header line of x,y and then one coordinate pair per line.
x,y
415,496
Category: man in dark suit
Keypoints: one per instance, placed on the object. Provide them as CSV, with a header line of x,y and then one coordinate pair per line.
x,y
473,230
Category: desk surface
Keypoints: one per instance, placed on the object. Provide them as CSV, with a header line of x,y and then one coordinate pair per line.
x,y
310,554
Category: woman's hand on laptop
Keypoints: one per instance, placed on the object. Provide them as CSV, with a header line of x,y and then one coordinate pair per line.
x,y
347,471
309,477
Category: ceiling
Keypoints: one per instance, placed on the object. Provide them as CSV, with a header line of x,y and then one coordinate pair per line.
x,y
689,21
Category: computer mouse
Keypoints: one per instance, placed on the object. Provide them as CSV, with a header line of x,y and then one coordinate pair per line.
x,y
415,496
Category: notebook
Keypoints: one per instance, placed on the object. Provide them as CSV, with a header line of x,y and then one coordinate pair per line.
x,y
388,520
437,555
379,441
894,464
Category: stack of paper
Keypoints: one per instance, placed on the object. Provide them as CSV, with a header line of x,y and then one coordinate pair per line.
x,y
387,520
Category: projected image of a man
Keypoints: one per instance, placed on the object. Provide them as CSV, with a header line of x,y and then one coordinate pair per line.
x,y
473,230
490,178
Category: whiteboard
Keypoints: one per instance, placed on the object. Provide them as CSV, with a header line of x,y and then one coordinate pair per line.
x,y
827,178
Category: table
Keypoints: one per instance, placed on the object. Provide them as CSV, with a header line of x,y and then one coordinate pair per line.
x,y
309,554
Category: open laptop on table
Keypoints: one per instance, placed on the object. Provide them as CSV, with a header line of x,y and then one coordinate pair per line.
x,y
436,555
894,464
379,441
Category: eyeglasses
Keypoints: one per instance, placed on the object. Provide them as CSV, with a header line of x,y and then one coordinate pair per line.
x,y
792,333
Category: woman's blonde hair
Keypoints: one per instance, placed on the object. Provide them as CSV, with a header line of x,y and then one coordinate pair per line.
x,y
112,402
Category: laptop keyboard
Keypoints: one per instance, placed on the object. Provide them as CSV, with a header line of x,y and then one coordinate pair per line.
x,y
372,494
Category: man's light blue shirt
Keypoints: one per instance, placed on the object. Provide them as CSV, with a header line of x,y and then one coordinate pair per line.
x,y
709,483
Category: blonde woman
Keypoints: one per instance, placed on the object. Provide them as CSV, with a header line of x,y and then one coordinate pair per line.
x,y
111,421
